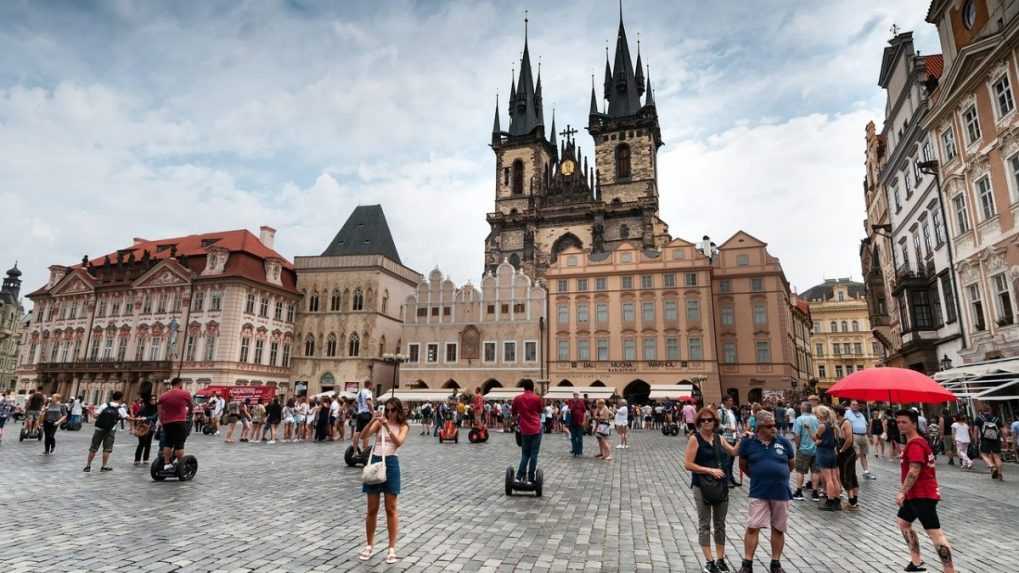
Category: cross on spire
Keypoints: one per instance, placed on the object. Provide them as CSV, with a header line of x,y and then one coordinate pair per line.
x,y
568,133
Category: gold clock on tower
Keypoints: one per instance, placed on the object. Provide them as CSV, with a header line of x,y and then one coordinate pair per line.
x,y
567,167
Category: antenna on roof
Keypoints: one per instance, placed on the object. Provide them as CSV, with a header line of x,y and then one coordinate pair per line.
x,y
894,30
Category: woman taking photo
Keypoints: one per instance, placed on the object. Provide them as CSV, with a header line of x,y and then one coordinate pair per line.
x,y
827,462
703,460
390,431
602,429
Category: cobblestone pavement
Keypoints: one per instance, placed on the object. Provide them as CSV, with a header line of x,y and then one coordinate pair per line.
x,y
296,507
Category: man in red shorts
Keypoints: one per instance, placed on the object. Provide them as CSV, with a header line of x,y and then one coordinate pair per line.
x,y
918,497
173,414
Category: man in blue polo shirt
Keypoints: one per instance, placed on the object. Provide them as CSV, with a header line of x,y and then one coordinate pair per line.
x,y
767,459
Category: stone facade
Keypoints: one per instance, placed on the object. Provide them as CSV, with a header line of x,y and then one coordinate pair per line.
x,y
12,315
467,337
842,338
217,308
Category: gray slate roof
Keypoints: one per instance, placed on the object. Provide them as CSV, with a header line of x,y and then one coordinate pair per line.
x,y
826,290
366,232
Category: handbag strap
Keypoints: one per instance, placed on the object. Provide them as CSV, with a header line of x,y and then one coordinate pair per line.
x,y
382,438
718,451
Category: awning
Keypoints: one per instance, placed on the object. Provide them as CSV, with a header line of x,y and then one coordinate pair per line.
x,y
504,393
993,380
345,395
418,395
565,392
979,369
673,391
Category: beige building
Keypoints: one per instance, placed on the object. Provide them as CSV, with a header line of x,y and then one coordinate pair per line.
x,y
842,338
467,337
218,308
12,314
351,312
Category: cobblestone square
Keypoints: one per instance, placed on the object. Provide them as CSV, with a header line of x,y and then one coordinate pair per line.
x,y
297,507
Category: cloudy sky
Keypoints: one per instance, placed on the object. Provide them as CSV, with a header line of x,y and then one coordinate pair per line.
x,y
121,119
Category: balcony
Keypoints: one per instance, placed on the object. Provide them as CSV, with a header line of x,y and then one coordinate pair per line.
x,y
907,277
104,366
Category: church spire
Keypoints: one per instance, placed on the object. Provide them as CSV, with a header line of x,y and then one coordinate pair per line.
x,y
624,95
525,103
552,138
639,72
496,128
594,99
608,75
650,99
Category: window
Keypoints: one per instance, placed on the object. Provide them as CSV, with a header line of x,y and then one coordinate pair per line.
x,y
647,313
622,161
838,372
274,350
216,302
760,313
450,352
309,345
189,349
1002,301
249,305
817,326
198,301
690,279
647,281
695,350
582,312
603,348
107,349
531,351
562,285
600,283
489,352
972,124
946,287
729,352
115,308
285,360
259,348
509,351
263,307
845,326
939,229
976,307
583,349
413,353
834,326
146,304
601,310
290,311
672,348
564,349
962,221
518,177
101,308
896,197
563,314
742,261
693,311
277,313
905,183
936,315
757,284
948,141
335,301
820,371
969,14
818,350
628,311
725,285
849,369
161,304
1003,95
331,345
669,280
856,326
926,231
984,197
858,348
519,308
627,282
629,349
671,312
763,351
582,284
650,348
155,348
358,301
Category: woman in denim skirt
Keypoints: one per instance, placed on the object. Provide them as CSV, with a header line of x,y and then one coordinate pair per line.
x,y
393,428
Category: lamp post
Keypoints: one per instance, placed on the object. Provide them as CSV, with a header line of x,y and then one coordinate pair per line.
x,y
395,359
946,364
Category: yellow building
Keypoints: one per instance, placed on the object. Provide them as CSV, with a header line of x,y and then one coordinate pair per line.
x,y
842,338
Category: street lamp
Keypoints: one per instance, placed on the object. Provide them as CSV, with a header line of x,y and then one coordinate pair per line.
x,y
395,359
946,363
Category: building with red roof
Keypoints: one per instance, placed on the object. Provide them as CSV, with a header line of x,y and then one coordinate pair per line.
x,y
213,308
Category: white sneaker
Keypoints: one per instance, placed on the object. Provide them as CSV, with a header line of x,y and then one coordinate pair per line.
x,y
619,447
272,441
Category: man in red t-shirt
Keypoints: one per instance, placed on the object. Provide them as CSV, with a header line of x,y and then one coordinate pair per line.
x,y
478,407
173,414
919,494
578,409
527,408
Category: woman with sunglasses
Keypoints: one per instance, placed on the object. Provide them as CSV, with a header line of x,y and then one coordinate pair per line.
x,y
702,459
391,431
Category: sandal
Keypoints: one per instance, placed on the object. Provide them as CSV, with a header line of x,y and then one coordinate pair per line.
x,y
365,553
391,556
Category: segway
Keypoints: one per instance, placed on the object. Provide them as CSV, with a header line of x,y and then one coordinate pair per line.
x,y
478,434
184,469
208,430
34,434
354,457
449,432
513,485
670,429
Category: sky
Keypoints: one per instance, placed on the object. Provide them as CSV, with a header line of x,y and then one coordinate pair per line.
x,y
124,119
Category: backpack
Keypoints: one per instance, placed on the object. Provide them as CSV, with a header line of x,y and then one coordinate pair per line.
x,y
108,418
989,429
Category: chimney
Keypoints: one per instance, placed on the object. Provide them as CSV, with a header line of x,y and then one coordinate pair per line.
x,y
267,235
138,240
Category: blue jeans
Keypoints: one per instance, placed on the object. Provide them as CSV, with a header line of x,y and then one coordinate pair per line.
x,y
576,440
529,446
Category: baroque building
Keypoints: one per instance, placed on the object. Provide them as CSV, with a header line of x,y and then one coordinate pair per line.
x,y
842,338
12,314
469,337
549,198
215,308
351,312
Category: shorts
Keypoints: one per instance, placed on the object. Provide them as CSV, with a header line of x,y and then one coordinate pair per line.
x,y
2,422
804,462
174,435
861,444
104,438
31,415
232,419
926,510
392,484
764,513
990,446
825,459
362,422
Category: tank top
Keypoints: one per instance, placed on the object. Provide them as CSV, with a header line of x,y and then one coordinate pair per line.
x,y
705,457
827,437
386,447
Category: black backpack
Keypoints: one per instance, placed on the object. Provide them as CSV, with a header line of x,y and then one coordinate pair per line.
x,y
108,418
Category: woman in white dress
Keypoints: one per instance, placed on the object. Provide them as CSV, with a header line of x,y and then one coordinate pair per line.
x,y
622,422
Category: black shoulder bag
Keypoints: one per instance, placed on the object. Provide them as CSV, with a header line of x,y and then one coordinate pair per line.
x,y
714,490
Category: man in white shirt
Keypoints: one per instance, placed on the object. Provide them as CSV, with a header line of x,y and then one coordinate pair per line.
x,y
75,420
363,404
218,403
334,417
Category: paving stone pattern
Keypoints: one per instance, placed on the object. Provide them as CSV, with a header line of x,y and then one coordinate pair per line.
x,y
297,507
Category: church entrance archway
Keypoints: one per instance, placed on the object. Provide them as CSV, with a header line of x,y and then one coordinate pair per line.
x,y
637,392
489,384
598,383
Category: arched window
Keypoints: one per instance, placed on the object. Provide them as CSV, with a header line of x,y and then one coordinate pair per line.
x,y
856,326
309,345
518,177
334,302
313,302
355,345
515,260
622,161
845,326
834,326
358,302
331,345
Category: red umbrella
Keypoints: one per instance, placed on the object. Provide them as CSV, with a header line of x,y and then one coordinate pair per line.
x,y
892,385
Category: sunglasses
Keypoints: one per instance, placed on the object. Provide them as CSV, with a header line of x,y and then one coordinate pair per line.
x,y
703,420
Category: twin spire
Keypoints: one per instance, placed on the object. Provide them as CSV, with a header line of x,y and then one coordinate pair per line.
x,y
525,108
